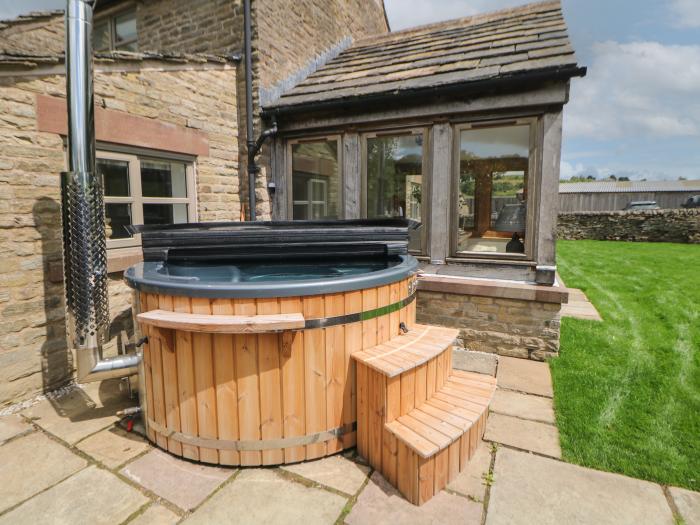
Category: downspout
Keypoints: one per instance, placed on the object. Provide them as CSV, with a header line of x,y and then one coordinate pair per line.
x,y
252,168
253,146
84,242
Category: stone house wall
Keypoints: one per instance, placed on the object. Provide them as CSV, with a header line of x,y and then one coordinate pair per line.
x,y
33,34
680,225
508,327
33,349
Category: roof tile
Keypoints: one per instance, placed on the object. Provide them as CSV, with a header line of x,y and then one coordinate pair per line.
x,y
489,46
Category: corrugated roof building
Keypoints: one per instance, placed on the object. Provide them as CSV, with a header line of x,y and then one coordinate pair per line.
x,y
615,195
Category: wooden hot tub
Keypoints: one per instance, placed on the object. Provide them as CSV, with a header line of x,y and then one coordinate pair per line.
x,y
248,363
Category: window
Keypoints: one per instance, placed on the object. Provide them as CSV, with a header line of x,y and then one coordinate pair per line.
x,y
492,189
394,178
116,32
316,190
144,190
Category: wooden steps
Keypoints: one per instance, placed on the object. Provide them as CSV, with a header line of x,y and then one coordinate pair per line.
x,y
419,421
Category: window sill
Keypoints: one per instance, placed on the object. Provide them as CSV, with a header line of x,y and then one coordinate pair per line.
x,y
493,288
119,259
507,260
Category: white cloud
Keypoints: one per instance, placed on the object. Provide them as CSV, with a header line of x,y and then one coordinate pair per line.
x,y
641,89
409,13
686,12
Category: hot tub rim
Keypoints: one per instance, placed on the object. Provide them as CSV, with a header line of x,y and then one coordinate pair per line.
x,y
247,290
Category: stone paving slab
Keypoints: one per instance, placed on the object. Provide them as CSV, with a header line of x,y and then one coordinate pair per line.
x,y
470,482
11,426
81,412
336,472
524,406
531,489
520,433
688,504
31,464
181,482
479,362
263,496
156,515
92,496
579,307
113,446
531,377
381,504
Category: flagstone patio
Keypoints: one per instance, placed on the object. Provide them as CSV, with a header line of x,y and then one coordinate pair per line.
x,y
67,460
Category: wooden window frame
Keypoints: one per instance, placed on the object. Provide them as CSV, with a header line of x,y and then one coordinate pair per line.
x,y
425,168
533,184
338,138
136,198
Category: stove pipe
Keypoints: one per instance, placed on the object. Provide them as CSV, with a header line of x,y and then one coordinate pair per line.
x,y
84,243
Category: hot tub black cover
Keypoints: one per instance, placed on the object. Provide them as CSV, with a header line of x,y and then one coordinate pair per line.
x,y
275,239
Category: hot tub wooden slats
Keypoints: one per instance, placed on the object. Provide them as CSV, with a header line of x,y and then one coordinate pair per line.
x,y
247,372
212,396
224,324
169,359
270,383
204,383
292,365
315,376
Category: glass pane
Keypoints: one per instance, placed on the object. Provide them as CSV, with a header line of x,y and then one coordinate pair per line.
x,y
395,179
315,180
164,213
493,172
125,25
100,35
163,179
115,177
118,216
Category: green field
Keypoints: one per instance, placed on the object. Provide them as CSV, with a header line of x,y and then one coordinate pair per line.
x,y
627,390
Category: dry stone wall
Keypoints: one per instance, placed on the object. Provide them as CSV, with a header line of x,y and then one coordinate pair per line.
x,y
644,225
33,349
508,327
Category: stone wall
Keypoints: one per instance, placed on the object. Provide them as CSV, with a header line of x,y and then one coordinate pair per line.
x,y
644,225
33,351
509,327
33,34
205,26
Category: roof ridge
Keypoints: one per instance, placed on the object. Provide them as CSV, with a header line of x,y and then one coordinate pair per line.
x,y
533,7
32,15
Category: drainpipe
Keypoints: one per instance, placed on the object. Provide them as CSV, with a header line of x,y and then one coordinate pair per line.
x,y
252,168
84,242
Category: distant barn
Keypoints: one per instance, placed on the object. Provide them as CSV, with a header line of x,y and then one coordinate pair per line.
x,y
611,195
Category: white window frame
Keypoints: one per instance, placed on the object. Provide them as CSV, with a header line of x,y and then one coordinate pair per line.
x,y
533,182
136,198
290,175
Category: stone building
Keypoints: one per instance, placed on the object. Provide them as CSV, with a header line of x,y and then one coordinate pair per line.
x,y
170,130
456,124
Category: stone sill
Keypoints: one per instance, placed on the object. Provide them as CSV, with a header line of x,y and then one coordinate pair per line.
x,y
493,288
118,260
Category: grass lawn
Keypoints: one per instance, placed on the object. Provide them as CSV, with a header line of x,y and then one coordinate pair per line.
x,y
627,390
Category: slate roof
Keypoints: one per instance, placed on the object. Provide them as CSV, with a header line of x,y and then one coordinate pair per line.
x,y
504,44
27,61
630,186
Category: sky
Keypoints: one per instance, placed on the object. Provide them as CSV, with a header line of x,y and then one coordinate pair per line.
x,y
635,114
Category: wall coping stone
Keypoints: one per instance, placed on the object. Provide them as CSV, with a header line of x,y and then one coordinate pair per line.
x,y
493,288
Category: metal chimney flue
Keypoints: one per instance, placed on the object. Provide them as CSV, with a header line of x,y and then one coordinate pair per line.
x,y
84,242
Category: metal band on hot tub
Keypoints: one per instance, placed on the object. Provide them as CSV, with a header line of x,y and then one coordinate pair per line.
x,y
325,322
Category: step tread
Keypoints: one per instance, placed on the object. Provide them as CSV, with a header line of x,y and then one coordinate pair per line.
x,y
407,351
447,415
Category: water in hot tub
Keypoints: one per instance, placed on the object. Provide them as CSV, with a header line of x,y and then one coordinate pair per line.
x,y
277,271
